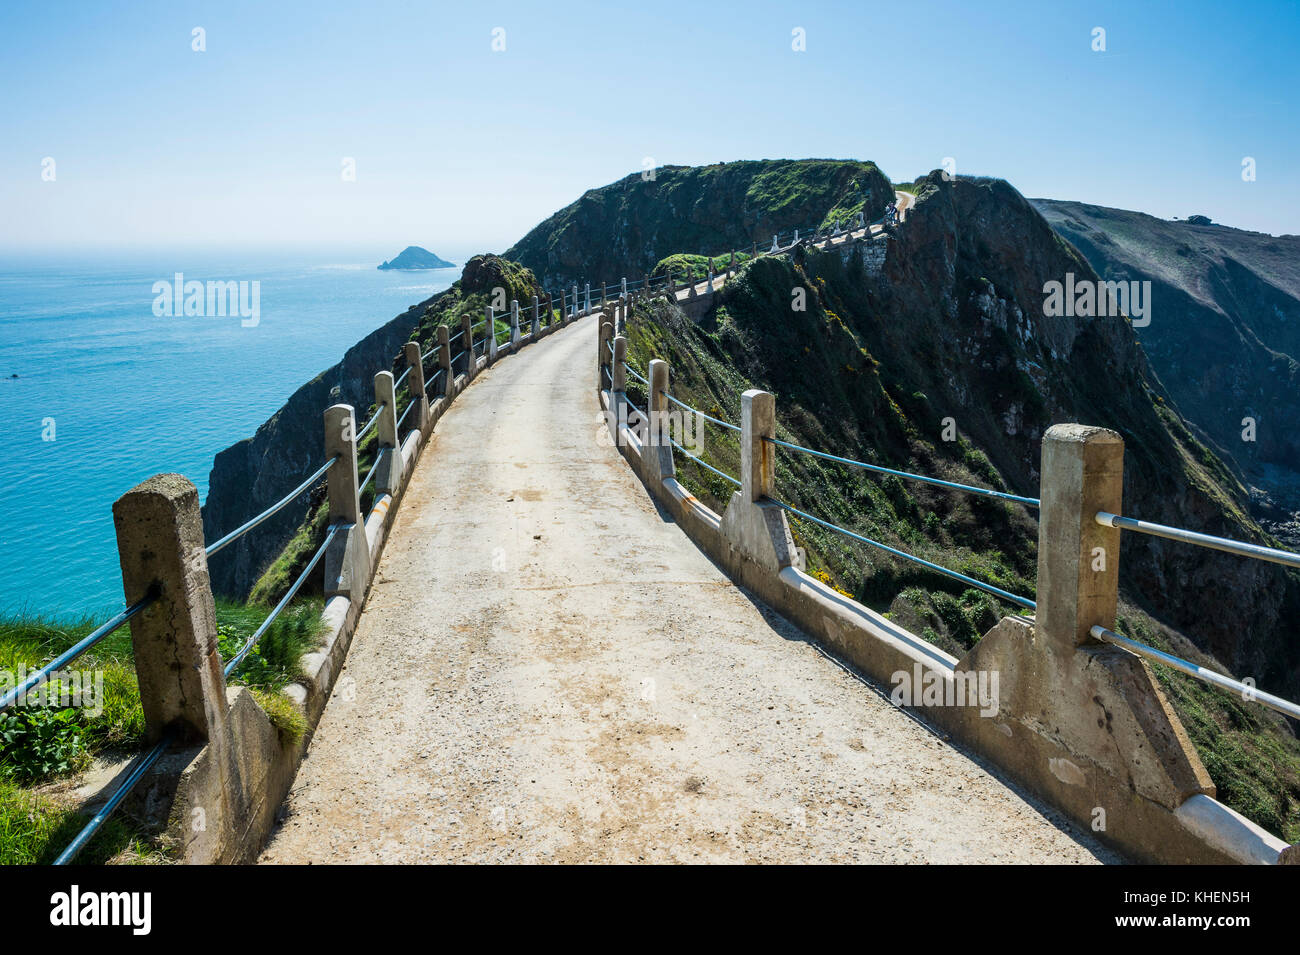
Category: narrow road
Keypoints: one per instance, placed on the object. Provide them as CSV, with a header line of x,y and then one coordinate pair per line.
x,y
547,670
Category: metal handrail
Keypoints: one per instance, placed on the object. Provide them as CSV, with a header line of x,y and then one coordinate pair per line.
x,y
373,466
142,765
76,650
409,405
1270,554
718,421
955,575
970,489
243,529
374,418
701,462
1199,672
633,372
238,658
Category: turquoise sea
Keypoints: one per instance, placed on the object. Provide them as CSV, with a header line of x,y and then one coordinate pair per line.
x,y
107,393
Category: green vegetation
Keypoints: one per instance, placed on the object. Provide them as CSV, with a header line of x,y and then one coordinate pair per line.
x,y
833,395
705,209
1248,750
834,188
46,744
699,265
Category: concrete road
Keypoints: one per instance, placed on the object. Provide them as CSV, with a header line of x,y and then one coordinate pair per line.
x,y
547,670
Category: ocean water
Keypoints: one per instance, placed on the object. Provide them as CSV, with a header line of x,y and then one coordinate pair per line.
x,y
107,393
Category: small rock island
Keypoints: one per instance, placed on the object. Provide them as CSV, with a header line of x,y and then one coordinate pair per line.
x,y
413,258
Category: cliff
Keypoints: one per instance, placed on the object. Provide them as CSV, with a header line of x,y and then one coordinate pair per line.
x,y
624,228
1224,335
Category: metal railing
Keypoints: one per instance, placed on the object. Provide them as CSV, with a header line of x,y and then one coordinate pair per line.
x,y
1200,540
247,648
1239,548
938,482
279,505
996,591
73,652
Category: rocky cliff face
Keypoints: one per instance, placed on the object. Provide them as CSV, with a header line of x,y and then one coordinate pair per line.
x,y
623,229
1224,335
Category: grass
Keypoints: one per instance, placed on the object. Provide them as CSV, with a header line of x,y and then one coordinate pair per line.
x,y
45,746
699,265
35,829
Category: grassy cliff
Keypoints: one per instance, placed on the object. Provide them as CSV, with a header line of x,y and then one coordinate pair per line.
x,y
878,367
625,228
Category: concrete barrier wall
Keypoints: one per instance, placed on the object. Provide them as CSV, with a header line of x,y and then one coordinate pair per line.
x,y
1084,726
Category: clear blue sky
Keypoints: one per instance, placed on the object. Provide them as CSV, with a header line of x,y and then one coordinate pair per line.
x,y
456,144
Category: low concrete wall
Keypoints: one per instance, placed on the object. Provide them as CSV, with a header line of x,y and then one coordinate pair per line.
x,y
1094,738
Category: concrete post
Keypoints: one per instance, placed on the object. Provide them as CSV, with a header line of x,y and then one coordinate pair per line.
x,y
467,339
537,317
753,524
757,457
444,361
514,323
796,236
177,663
492,336
623,292
576,303
415,385
656,451
550,310
602,353
347,561
710,285
388,475
731,266
690,280
587,291
618,370
1078,559
775,246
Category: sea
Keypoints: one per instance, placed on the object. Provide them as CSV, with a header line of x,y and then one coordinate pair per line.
x,y
104,383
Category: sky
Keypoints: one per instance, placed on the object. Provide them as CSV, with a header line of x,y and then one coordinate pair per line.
x,y
468,123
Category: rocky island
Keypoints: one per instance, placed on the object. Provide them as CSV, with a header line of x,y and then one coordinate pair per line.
x,y
414,258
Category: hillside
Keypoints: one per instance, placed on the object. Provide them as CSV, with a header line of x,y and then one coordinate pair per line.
x,y
952,327
1224,336
624,228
